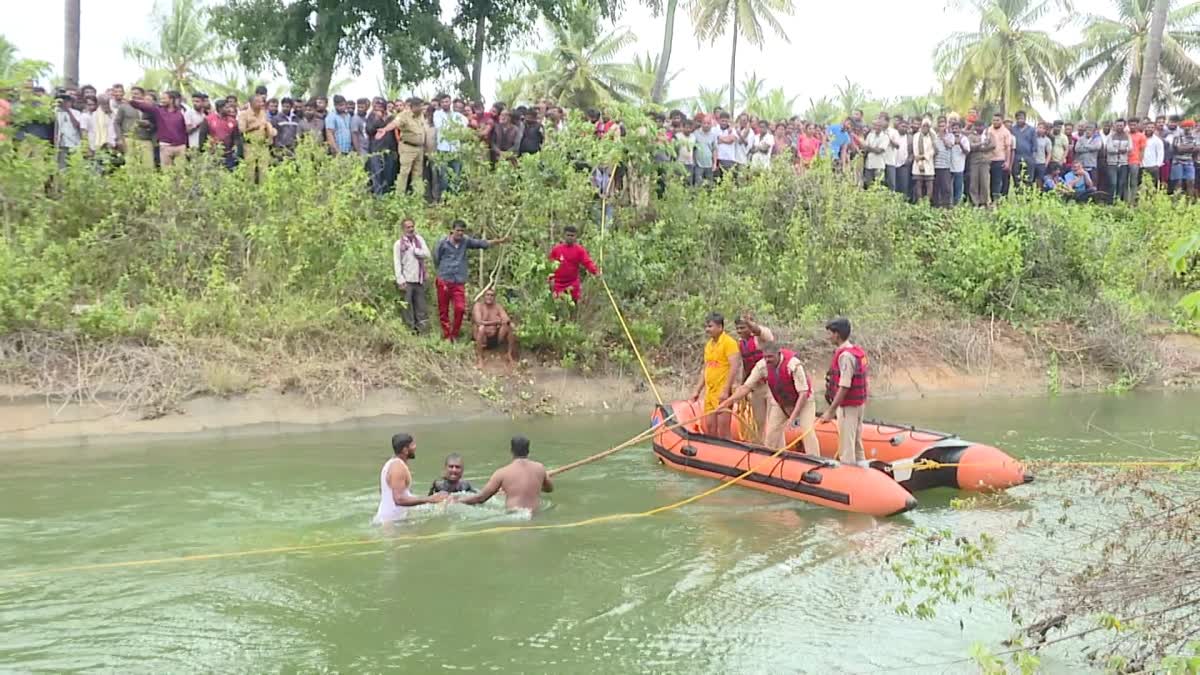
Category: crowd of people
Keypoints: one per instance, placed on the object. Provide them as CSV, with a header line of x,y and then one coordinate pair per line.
x,y
944,160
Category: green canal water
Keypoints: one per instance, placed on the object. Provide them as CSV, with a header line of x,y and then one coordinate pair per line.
x,y
742,582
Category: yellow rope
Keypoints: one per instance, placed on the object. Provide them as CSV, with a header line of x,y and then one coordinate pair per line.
x,y
636,352
450,534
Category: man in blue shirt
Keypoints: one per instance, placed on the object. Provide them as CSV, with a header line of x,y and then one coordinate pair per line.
x,y
1024,147
337,127
839,142
1078,183
450,257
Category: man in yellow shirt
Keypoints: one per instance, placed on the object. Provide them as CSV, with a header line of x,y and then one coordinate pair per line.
x,y
722,363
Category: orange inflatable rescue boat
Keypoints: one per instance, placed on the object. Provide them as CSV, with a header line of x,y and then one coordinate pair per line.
x,y
967,465
812,479
881,490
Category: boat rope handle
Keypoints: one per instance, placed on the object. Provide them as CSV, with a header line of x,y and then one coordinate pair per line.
x,y
929,464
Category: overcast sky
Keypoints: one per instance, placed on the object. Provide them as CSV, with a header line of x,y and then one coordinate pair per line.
x,y
888,52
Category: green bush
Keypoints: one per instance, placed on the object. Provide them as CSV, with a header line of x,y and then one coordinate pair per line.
x,y
202,251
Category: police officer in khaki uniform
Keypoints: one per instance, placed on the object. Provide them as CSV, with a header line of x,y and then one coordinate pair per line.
x,y
409,126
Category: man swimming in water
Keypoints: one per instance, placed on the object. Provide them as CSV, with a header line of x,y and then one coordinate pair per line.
x,y
395,497
523,480
452,480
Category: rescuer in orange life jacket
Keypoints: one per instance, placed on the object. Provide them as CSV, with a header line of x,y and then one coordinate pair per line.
x,y
790,391
846,392
751,338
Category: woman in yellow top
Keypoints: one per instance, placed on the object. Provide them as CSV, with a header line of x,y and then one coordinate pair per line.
x,y
722,362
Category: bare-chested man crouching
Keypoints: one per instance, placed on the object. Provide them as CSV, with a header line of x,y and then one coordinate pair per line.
x,y
493,328
523,480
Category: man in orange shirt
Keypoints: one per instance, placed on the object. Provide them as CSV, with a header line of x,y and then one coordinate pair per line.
x,y
1137,144
1002,155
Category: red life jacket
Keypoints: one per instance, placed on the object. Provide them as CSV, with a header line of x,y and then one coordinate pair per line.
x,y
751,354
857,394
782,385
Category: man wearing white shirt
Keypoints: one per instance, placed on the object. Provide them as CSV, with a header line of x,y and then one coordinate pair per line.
x,y
875,148
447,122
194,118
727,140
746,138
1153,156
903,159
764,144
410,256
894,156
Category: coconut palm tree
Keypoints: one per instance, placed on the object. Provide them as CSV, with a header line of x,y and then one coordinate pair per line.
x,y
1113,51
919,106
822,111
187,52
1006,61
8,56
1154,48
578,69
711,18
851,96
644,73
71,44
658,92
15,70
708,100
774,107
750,93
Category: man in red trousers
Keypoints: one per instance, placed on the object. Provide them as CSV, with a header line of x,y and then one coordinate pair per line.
x,y
450,256
570,257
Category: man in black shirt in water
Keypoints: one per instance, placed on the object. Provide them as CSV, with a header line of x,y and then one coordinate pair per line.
x,y
452,480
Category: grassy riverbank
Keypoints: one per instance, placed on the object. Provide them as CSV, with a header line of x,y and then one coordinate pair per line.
x,y
149,288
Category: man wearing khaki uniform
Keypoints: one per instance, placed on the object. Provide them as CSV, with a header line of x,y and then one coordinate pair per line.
x,y
789,391
409,126
258,133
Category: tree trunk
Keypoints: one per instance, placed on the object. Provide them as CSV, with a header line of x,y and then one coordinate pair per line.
x,y
1154,47
733,63
318,84
326,38
475,85
658,93
71,45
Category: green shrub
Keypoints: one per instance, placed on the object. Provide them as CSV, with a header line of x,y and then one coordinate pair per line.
x,y
202,251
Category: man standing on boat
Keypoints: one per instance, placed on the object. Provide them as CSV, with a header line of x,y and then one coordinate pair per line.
x,y
846,392
721,363
790,391
395,481
751,337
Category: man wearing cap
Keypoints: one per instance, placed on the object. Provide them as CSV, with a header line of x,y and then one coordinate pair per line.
x,y
846,391
790,391
410,129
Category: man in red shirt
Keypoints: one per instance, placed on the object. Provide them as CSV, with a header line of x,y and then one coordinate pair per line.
x,y
570,256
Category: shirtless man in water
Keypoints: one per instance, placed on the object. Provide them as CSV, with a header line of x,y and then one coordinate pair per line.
x,y
523,480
